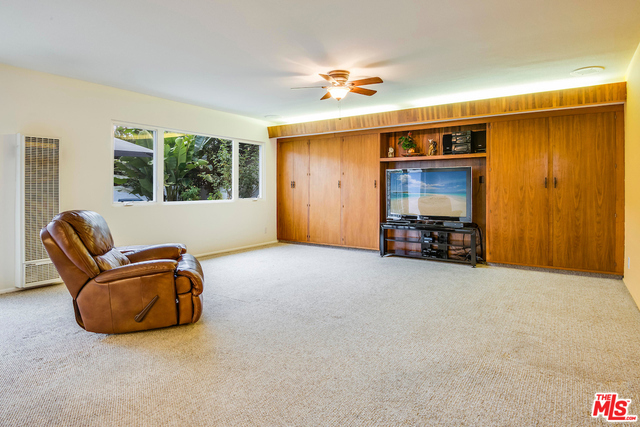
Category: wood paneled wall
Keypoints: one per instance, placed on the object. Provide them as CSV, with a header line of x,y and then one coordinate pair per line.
x,y
613,93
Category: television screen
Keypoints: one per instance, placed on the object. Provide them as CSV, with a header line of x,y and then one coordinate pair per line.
x,y
432,193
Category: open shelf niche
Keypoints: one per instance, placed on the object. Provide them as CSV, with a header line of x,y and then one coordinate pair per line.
x,y
422,136
408,240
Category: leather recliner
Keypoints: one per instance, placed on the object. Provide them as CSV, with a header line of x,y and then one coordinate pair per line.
x,y
124,289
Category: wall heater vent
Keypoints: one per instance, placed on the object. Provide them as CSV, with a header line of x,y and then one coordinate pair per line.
x,y
39,180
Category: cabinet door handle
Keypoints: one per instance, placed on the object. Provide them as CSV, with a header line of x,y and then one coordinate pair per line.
x,y
545,182
555,182
375,183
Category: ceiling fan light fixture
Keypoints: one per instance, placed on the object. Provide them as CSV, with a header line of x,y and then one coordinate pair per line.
x,y
338,92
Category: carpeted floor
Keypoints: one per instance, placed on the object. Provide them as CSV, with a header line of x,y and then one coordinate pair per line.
x,y
315,336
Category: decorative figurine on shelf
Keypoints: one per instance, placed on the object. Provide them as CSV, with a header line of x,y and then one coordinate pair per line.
x,y
408,143
391,152
433,148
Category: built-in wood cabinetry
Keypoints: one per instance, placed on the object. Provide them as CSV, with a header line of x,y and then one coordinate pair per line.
x,y
553,192
360,188
549,192
583,194
324,191
519,192
293,190
328,190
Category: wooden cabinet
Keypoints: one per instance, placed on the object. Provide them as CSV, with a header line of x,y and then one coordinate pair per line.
x,y
584,191
328,190
324,191
360,188
293,190
519,193
552,192
285,191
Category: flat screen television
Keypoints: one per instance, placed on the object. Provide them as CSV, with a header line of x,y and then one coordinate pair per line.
x,y
435,194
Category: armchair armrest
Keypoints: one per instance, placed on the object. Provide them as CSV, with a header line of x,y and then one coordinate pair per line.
x,y
147,253
138,269
189,267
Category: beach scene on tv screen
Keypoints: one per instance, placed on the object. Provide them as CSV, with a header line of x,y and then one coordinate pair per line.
x,y
433,193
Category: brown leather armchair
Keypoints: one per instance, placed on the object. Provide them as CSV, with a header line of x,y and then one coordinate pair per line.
x,y
125,289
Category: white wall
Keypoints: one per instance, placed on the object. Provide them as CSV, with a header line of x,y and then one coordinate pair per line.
x,y
632,172
81,115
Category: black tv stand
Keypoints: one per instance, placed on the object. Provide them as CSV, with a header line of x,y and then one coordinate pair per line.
x,y
429,241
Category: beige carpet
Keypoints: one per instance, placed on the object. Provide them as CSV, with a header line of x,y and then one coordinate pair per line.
x,y
315,336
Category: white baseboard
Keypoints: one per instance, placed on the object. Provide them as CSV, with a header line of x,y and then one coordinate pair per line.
x,y
208,254
6,291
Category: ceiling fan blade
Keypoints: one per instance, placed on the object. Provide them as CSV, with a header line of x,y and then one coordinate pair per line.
x,y
309,87
363,91
369,81
326,96
328,78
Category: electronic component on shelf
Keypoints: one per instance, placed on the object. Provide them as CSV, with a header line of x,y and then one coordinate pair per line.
x,y
461,142
435,253
479,142
446,144
453,224
463,137
464,142
461,148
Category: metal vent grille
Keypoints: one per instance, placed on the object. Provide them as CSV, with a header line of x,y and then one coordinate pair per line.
x,y
34,273
41,203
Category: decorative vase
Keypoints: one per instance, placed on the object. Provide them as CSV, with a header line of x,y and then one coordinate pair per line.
x,y
411,151
433,149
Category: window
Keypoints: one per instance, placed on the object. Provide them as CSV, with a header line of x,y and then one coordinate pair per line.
x,y
249,162
197,167
133,164
182,166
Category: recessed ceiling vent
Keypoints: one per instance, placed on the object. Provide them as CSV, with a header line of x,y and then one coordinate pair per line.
x,y
587,71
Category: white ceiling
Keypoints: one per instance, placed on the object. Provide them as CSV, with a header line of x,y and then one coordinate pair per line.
x,y
244,56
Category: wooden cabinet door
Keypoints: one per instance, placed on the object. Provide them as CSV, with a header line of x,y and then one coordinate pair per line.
x,y
285,191
293,190
584,191
360,176
301,191
519,202
324,191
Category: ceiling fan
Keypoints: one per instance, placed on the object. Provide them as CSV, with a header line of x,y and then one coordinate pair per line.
x,y
341,86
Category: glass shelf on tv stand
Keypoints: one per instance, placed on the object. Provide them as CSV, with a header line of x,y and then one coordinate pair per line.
x,y
428,247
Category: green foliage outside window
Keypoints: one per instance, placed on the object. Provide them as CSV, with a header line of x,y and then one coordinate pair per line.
x,y
134,174
249,171
196,167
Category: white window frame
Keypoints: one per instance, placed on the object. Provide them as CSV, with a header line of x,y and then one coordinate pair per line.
x,y
234,170
155,130
261,170
158,159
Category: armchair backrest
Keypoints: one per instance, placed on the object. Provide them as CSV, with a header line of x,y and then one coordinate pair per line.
x,y
81,246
